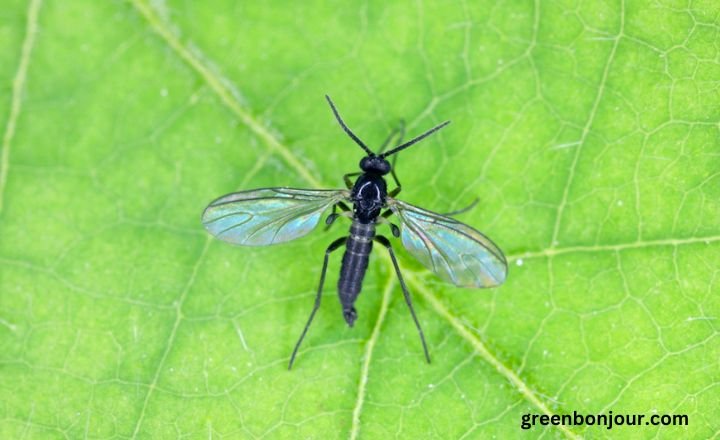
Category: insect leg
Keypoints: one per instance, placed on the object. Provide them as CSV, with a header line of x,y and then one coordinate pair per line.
x,y
333,246
400,131
398,186
385,242
465,209
348,182
383,218
345,210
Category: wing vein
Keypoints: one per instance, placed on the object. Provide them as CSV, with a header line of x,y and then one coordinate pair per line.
x,y
453,250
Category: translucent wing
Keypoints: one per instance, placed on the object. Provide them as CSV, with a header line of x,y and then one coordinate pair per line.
x,y
267,216
453,250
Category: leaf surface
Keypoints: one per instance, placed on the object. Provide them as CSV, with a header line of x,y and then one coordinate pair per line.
x,y
588,131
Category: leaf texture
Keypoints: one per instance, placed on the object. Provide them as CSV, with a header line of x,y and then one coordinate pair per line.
x,y
589,132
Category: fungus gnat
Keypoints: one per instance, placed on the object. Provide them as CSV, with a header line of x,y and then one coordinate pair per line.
x,y
454,251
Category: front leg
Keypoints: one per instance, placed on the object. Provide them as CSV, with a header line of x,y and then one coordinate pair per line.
x,y
398,186
349,183
397,189
401,133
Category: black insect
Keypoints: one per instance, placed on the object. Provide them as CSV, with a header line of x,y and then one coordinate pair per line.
x,y
454,251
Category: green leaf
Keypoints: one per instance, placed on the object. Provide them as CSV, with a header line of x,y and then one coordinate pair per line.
x,y
589,132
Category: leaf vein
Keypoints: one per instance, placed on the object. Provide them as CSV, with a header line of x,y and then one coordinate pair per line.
x,y
369,347
220,86
640,244
17,91
522,387
173,334
586,129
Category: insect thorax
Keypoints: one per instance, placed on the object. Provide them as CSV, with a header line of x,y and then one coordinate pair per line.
x,y
368,196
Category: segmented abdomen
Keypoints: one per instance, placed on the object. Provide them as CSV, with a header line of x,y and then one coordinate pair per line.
x,y
355,262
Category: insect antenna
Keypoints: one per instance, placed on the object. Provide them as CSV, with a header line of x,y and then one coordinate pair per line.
x,y
412,141
347,130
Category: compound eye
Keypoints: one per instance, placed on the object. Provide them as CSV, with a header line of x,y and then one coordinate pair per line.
x,y
365,163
